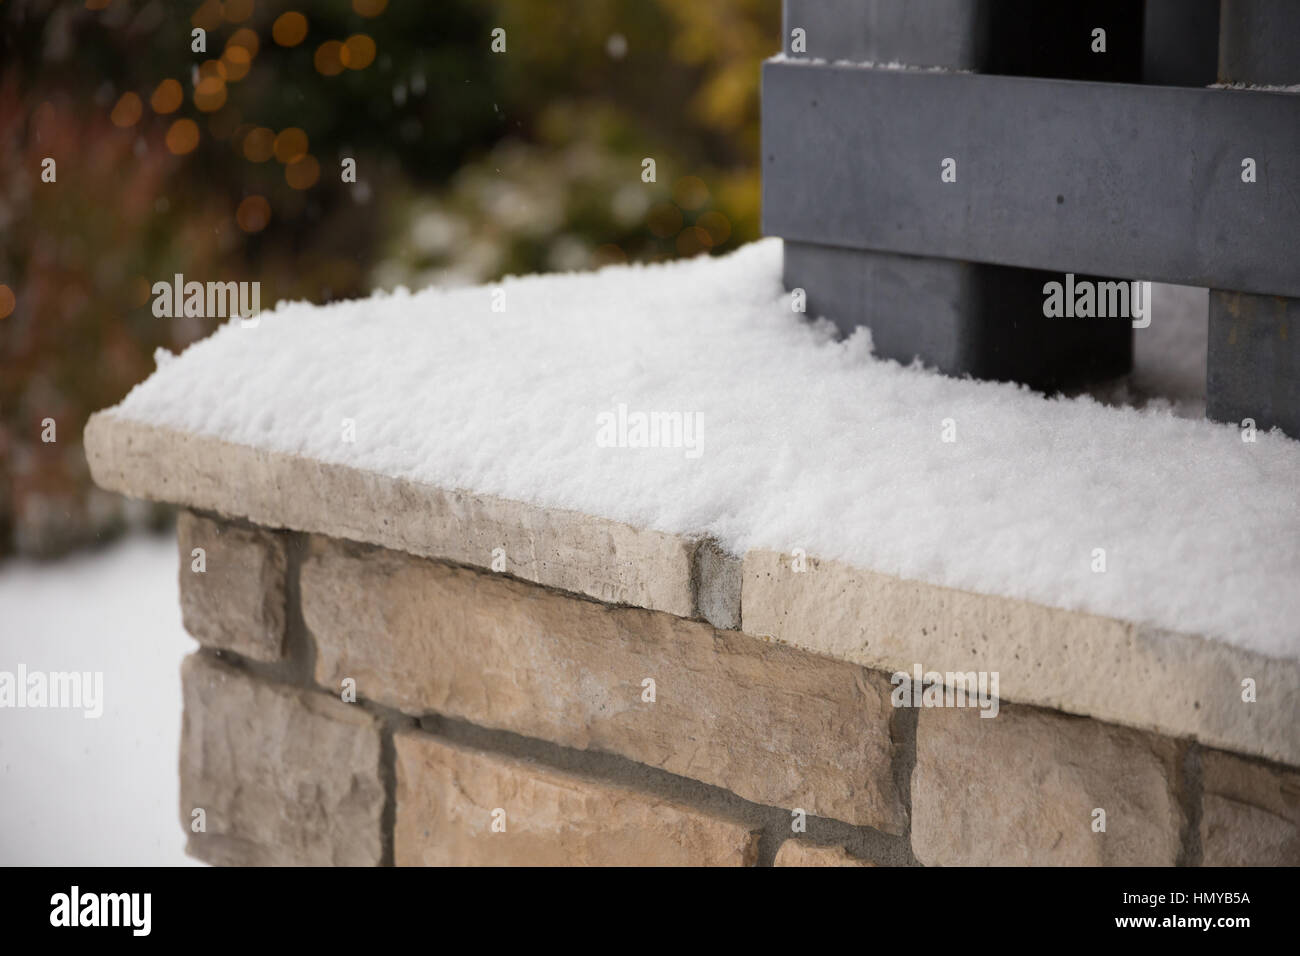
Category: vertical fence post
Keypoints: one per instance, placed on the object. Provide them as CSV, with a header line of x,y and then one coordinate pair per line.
x,y
962,317
1180,42
1253,360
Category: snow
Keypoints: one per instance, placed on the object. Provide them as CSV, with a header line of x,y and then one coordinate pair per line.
x,y
807,442
1168,357
78,791
1258,87
861,64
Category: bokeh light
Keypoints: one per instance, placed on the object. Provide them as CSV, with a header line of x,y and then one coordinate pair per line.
x,y
259,144
247,39
358,52
210,94
253,214
127,112
237,61
289,29
329,58
693,240
167,97
369,8
664,220
302,173
182,136
716,225
290,145
7,300
212,69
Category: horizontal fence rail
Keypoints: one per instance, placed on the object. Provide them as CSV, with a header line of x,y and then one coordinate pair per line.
x,y
1143,182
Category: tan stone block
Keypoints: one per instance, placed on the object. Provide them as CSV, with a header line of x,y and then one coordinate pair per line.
x,y
802,853
1250,813
1180,685
284,776
1020,789
237,603
448,798
773,724
598,557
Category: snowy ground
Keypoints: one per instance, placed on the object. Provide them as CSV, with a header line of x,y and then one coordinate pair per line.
x,y
90,792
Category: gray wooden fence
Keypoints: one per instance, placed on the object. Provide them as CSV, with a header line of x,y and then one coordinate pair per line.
x,y
1061,158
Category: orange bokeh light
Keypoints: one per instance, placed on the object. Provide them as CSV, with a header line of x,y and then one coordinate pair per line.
x,y
303,173
210,94
259,144
693,240
253,214
289,29
689,192
212,68
358,52
182,136
237,61
246,38
127,112
329,58
716,225
290,145
167,97
664,220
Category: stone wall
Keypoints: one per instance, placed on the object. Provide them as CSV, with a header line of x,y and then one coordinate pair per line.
x,y
358,705
391,672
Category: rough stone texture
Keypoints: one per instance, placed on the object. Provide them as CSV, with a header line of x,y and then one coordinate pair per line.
x,y
286,777
773,724
1020,788
1180,685
717,576
238,603
446,796
802,853
597,557
1250,813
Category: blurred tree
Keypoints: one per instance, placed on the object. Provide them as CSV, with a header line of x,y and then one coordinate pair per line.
x,y
226,164
589,91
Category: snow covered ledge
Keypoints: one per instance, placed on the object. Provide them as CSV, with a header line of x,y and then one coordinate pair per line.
x,y
1127,566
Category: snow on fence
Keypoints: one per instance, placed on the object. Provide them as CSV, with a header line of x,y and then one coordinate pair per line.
x,y
936,205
